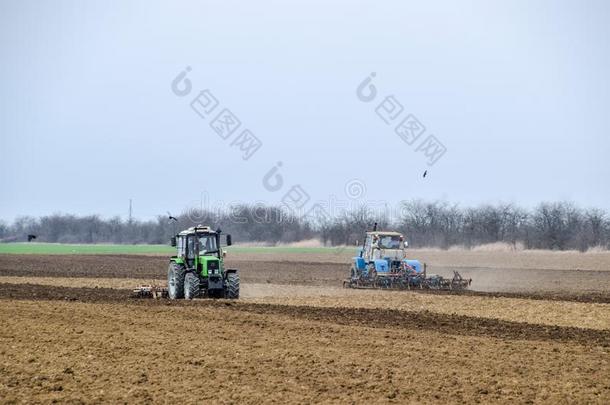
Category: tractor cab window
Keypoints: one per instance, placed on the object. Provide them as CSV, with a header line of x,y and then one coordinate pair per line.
x,y
389,242
367,247
180,246
190,247
207,244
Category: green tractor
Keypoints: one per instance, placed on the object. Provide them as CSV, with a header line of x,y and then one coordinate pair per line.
x,y
198,269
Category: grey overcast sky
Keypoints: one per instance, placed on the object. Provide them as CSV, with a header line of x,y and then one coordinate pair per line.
x,y
517,91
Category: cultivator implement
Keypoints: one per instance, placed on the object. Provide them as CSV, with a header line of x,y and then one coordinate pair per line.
x,y
441,283
405,281
150,291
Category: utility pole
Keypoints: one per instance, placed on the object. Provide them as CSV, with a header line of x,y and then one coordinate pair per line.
x,y
130,212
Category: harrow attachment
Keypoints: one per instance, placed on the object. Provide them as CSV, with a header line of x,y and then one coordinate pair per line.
x,y
436,282
150,291
406,280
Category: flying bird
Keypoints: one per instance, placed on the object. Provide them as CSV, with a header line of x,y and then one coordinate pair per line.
x,y
426,172
169,216
31,237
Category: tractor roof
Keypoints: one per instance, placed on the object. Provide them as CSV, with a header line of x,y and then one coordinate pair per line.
x,y
386,233
197,229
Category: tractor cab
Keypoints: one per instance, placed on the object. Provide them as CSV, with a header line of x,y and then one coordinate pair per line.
x,y
199,247
383,245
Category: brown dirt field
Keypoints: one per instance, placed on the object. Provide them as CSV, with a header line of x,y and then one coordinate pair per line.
x,y
297,337
542,312
211,352
582,285
373,316
114,266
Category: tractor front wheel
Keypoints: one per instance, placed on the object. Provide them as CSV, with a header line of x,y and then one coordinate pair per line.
x,y
191,286
175,281
232,286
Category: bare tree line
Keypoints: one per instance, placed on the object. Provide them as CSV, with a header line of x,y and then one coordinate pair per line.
x,y
557,226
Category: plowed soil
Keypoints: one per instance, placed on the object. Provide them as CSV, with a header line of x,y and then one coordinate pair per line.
x,y
73,332
533,282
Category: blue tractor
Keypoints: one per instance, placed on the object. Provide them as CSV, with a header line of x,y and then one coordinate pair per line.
x,y
383,263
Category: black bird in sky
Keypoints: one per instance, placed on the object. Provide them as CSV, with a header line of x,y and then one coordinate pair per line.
x,y
426,172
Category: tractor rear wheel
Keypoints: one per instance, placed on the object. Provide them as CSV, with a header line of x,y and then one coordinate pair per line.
x,y
232,286
175,281
191,286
